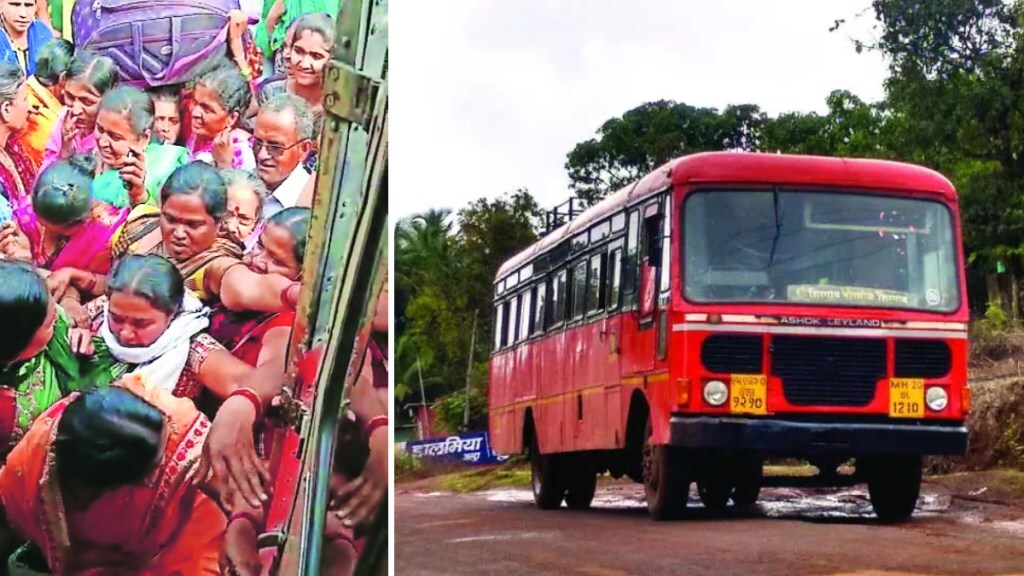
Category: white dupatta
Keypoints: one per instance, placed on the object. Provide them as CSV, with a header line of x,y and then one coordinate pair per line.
x,y
162,362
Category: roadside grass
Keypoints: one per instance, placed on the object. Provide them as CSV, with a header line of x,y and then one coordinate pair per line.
x,y
514,475
998,485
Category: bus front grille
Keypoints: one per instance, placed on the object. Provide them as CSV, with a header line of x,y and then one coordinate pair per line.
x,y
733,354
922,359
821,371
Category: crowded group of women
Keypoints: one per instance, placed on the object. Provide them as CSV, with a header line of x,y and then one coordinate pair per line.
x,y
151,253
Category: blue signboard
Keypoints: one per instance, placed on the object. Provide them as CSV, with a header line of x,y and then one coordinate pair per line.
x,y
472,447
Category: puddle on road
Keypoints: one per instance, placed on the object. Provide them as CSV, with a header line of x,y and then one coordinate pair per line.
x,y
602,500
849,503
1013,527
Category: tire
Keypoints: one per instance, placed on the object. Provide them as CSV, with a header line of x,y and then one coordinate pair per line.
x,y
582,485
714,493
894,485
545,477
666,479
750,472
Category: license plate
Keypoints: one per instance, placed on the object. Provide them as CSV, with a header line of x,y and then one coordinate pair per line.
x,y
906,398
747,394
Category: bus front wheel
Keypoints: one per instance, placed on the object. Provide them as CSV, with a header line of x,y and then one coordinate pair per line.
x,y
894,485
546,478
748,482
666,481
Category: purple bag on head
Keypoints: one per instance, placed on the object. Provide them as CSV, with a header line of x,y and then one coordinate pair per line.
x,y
155,42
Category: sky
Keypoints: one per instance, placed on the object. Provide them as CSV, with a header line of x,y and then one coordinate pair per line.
x,y
488,96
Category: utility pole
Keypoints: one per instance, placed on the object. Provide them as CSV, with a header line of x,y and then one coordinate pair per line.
x,y
469,373
423,398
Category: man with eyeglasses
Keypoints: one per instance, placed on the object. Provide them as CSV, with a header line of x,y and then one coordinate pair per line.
x,y
282,138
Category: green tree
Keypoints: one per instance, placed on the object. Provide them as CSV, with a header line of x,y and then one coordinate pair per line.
x,y
445,268
956,102
629,147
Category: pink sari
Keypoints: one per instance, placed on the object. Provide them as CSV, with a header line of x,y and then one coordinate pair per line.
x,y
87,249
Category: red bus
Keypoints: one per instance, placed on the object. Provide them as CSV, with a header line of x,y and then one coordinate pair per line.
x,y
731,307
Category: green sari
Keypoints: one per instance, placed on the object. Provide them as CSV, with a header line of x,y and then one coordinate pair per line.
x,y
161,161
42,381
101,367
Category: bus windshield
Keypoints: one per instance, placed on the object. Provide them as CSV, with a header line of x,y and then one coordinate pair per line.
x,y
819,248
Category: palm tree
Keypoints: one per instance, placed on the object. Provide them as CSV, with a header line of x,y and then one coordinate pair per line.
x,y
424,248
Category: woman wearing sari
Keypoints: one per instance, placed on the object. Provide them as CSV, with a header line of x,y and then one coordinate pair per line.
x,y
102,484
255,320
17,171
133,166
69,233
219,103
186,228
88,78
148,323
45,90
246,194
37,365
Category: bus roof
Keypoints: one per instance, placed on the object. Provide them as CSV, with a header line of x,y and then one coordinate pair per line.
x,y
749,168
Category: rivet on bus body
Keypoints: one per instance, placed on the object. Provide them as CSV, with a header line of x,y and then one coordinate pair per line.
x,y
682,391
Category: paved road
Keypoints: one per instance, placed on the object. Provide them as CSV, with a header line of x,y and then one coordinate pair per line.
x,y
793,532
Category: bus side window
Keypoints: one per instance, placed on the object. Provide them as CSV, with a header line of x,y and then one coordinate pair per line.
x,y
540,295
499,328
526,314
614,278
513,317
578,289
558,286
595,284
629,269
506,306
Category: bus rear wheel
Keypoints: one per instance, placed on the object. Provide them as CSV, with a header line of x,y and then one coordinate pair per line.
x,y
582,486
666,481
545,477
894,485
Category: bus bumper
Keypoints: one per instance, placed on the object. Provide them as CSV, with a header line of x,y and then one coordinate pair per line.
x,y
789,437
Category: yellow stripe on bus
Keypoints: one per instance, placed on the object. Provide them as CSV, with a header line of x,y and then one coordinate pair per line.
x,y
628,381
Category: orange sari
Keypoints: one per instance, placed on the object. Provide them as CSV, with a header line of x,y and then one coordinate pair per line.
x,y
43,109
160,527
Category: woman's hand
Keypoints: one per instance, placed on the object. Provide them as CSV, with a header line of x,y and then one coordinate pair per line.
x,y
230,453
68,131
81,341
14,244
223,150
360,499
364,399
77,314
133,172
58,282
240,555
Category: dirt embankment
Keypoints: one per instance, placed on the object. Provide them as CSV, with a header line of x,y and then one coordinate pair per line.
x,y
996,422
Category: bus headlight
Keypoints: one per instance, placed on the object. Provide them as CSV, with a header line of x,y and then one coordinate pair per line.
x,y
716,393
936,398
